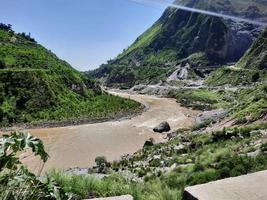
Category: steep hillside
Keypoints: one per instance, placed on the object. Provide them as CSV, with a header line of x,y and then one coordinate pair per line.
x,y
179,40
251,68
249,9
36,85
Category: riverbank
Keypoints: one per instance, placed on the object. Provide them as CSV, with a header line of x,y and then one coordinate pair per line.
x,y
77,146
74,122
79,121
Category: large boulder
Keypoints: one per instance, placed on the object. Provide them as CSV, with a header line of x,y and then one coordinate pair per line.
x,y
162,127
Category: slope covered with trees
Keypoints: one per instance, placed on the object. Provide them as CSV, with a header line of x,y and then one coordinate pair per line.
x,y
36,85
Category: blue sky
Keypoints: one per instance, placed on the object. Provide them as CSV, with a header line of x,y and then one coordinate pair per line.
x,y
85,33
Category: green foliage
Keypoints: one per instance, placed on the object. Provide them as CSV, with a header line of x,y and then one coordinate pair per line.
x,y
251,68
16,182
10,145
35,85
208,157
200,99
252,104
235,76
99,160
144,40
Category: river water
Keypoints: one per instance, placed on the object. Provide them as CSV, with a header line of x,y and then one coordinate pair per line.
x,y
77,146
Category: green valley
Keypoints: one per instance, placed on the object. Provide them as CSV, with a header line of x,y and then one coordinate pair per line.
x,y
185,104
36,86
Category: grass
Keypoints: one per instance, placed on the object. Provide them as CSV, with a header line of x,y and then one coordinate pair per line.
x,y
211,156
143,40
252,103
235,76
245,104
201,99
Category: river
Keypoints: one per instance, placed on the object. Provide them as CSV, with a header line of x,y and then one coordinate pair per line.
x,y
77,146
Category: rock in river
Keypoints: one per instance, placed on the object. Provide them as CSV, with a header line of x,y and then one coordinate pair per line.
x,y
162,127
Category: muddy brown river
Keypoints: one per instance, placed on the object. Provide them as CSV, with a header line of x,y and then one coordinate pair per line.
x,y
77,146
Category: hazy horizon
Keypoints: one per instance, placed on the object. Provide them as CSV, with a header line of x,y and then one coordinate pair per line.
x,y
86,33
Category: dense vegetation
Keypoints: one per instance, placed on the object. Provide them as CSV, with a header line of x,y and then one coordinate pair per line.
x,y
244,105
161,171
16,181
203,99
35,86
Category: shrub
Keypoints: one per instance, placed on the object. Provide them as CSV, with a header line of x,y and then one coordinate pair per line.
x,y
100,160
264,147
16,181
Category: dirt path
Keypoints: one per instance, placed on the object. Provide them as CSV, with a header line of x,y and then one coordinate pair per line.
x,y
77,146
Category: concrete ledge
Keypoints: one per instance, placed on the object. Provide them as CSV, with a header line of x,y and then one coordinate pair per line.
x,y
125,197
247,187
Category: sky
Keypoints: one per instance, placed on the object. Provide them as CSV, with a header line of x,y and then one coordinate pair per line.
x,y
85,33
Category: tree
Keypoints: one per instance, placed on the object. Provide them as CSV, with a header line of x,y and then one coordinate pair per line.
x,y
6,27
101,163
255,77
100,160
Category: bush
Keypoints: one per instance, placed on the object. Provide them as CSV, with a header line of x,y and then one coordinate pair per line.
x,y
100,160
264,147
16,181
198,167
202,177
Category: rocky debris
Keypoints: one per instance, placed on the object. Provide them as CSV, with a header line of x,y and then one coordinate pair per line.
x,y
181,73
213,114
78,171
179,148
254,153
159,89
173,76
171,135
162,127
138,88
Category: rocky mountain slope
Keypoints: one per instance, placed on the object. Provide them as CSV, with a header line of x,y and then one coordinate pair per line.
x,y
251,68
36,85
184,41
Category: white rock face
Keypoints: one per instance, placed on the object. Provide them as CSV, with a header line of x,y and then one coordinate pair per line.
x,y
181,73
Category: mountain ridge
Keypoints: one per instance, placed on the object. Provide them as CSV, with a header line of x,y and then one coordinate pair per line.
x,y
177,38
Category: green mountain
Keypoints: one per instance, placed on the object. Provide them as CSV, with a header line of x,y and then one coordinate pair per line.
x,y
251,68
179,39
36,85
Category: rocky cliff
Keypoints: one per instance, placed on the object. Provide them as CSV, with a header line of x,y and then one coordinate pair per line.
x,y
178,39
